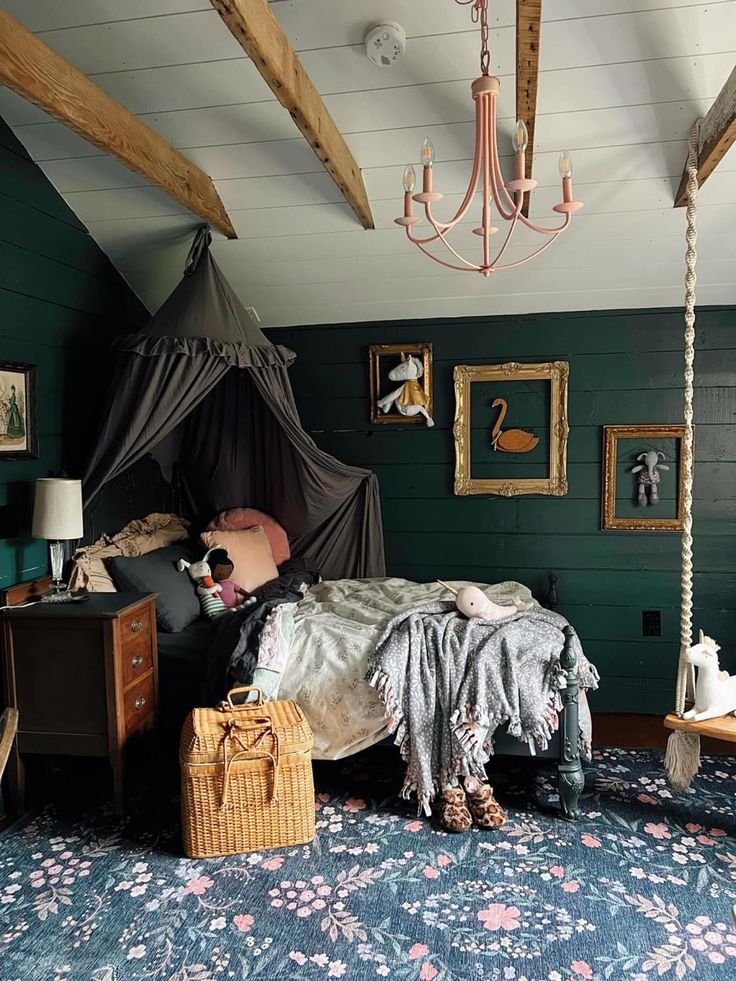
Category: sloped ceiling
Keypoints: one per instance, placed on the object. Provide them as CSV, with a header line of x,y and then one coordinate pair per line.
x,y
621,83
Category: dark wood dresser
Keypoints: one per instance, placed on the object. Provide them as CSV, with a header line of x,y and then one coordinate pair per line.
x,y
84,678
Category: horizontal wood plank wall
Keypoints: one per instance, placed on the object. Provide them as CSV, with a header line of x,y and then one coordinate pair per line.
x,y
624,368
61,302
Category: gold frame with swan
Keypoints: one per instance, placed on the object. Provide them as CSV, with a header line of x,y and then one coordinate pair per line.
x,y
557,373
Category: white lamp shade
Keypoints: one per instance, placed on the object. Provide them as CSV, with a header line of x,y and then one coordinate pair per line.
x,y
57,513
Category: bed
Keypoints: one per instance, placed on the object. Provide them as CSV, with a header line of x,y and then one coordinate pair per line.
x,y
336,626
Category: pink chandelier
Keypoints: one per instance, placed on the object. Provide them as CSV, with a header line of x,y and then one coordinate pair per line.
x,y
508,197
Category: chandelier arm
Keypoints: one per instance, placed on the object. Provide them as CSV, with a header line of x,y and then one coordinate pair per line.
x,y
506,241
487,185
532,255
468,267
546,231
497,176
441,235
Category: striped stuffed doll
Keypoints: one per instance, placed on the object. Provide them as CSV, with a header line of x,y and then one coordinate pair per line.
x,y
208,590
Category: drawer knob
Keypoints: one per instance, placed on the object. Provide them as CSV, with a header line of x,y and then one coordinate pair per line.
x,y
140,702
137,661
136,626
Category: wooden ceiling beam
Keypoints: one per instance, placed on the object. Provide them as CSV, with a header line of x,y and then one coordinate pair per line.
x,y
528,27
36,72
717,134
262,38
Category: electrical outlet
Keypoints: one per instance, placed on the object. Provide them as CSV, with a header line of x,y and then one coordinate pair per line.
x,y
651,623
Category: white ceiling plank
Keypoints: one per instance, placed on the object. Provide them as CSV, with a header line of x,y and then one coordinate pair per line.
x,y
631,276
168,89
471,306
300,269
340,22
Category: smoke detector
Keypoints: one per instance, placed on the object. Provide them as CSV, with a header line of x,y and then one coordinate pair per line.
x,y
385,44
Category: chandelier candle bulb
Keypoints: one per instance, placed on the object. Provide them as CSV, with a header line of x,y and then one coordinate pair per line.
x,y
505,197
410,178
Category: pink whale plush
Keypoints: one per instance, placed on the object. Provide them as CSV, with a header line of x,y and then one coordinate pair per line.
x,y
473,602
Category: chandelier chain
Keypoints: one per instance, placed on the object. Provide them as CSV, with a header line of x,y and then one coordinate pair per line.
x,y
479,14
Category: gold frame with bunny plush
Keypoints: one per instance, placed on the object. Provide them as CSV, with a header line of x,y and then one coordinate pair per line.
x,y
378,351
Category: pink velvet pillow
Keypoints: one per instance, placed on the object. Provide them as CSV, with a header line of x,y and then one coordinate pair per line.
x,y
240,519
249,552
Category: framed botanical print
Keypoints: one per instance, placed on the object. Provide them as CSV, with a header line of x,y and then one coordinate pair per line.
x,y
18,428
511,428
643,478
401,383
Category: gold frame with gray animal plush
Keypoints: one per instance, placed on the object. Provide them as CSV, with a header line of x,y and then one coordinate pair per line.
x,y
647,434
557,373
377,351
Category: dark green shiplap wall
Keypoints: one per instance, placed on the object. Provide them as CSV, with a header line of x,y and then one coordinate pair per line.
x,y
624,368
61,302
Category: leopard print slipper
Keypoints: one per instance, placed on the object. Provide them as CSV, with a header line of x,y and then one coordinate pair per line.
x,y
453,812
486,811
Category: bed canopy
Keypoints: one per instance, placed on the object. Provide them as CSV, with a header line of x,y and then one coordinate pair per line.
x,y
203,389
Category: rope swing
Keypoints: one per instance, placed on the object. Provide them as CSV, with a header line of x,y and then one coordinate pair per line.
x,y
682,759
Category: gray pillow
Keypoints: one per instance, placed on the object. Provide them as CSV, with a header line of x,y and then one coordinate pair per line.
x,y
155,572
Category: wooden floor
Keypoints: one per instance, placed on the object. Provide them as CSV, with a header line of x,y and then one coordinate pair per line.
x,y
636,731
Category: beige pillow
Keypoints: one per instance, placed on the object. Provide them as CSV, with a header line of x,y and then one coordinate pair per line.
x,y
250,553
137,538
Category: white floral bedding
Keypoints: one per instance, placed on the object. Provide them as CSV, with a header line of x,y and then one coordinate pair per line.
x,y
337,626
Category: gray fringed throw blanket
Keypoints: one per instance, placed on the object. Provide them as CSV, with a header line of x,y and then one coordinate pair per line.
x,y
447,683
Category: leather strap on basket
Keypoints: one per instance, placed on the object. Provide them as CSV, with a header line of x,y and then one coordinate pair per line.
x,y
235,729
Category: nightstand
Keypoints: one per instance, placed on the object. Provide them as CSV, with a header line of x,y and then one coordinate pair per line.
x,y
83,676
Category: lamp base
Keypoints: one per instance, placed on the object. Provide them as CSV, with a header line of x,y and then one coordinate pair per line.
x,y
62,596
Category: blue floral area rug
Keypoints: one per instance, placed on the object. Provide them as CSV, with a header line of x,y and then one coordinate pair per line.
x,y
640,888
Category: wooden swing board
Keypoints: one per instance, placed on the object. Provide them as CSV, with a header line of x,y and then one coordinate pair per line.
x,y
722,728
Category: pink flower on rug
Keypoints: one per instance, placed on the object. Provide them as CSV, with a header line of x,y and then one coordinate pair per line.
x,y
718,832
244,922
430,873
337,969
414,826
499,916
418,950
646,799
198,886
428,972
693,828
715,957
321,960
354,804
704,840
299,957
658,831
572,886
590,842
582,968
444,860
557,871
274,863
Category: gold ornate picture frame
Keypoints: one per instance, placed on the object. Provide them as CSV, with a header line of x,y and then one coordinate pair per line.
x,y
647,437
557,373
381,386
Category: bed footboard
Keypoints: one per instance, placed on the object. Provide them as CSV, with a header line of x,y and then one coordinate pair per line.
x,y
571,780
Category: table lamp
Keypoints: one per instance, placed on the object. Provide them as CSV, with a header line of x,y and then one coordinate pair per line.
x,y
57,516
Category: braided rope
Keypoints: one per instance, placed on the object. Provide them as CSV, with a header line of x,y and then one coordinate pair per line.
x,y
685,671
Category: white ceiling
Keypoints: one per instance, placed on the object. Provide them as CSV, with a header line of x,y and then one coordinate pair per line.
x,y
621,83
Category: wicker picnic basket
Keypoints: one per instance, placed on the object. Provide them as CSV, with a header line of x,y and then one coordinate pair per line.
x,y
246,777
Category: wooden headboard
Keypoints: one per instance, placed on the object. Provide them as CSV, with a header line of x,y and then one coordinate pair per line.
x,y
141,490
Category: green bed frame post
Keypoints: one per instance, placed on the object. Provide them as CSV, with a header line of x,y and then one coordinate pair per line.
x,y
571,780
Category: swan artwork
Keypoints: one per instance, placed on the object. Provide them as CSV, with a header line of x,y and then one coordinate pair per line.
x,y
510,440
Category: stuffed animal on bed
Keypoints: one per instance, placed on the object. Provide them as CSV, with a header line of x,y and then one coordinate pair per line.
x,y
222,566
208,590
473,602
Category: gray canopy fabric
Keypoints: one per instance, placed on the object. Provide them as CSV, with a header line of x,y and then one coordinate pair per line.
x,y
205,382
